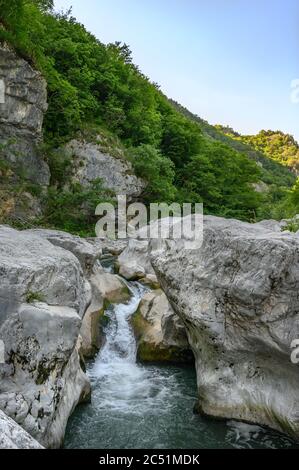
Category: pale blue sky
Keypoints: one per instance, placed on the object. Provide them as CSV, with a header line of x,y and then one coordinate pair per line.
x,y
229,61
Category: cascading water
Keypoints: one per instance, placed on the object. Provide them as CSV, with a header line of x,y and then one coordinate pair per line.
x,y
135,406
115,369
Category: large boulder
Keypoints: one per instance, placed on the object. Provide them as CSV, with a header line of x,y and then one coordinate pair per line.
x,y
90,162
21,116
134,262
108,246
12,436
43,298
160,334
86,252
111,287
33,268
237,296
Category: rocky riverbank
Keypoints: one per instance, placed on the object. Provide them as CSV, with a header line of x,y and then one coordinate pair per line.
x,y
237,296
53,295
232,304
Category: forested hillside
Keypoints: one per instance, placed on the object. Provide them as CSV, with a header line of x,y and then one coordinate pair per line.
x,y
272,171
96,86
278,146
275,153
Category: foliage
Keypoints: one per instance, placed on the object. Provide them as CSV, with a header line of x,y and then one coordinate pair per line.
x,y
222,179
72,208
291,226
34,297
181,139
272,172
159,172
60,166
276,145
91,84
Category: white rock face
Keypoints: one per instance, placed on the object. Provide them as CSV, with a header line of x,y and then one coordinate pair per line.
x,y
91,163
12,436
237,296
31,265
41,378
134,262
21,115
161,335
87,253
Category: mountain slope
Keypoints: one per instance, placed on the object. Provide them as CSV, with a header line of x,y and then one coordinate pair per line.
x,y
95,89
273,170
276,145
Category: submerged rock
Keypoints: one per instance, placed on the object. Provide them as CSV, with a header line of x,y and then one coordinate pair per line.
x,y
237,296
160,334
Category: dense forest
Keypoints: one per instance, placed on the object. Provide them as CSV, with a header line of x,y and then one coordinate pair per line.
x,y
96,86
276,145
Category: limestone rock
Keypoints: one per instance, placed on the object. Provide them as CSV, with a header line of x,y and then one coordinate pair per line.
x,y
21,116
33,267
151,281
12,436
134,261
161,336
91,163
237,296
86,252
43,298
108,246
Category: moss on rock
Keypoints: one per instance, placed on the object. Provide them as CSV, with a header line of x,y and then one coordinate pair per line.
x,y
151,351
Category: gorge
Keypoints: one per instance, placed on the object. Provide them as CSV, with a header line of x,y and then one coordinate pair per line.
x,y
125,343
136,405
148,403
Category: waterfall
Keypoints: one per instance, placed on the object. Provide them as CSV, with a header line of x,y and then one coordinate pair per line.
x,y
115,369
148,406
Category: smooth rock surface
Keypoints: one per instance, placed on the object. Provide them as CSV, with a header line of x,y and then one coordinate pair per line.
x,y
86,252
111,287
237,296
134,262
161,336
12,436
41,378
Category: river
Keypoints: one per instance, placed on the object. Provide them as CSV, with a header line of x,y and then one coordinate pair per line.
x,y
147,406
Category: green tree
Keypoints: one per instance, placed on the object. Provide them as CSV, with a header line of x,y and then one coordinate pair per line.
x,y
223,180
157,171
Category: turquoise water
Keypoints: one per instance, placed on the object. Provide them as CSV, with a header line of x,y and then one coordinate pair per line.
x,y
137,406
